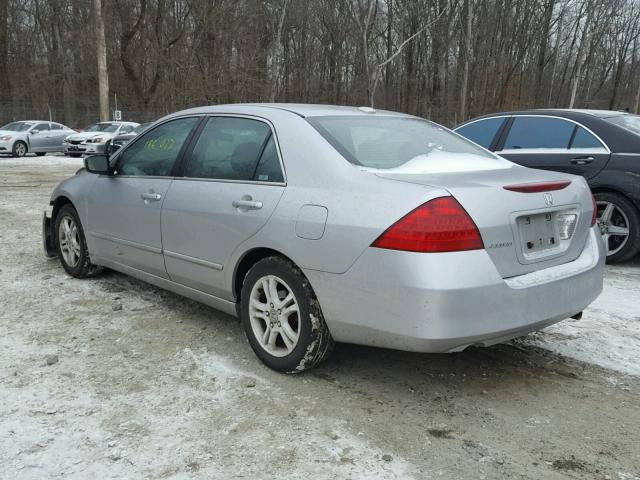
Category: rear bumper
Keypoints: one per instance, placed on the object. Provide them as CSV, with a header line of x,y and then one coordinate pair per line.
x,y
448,301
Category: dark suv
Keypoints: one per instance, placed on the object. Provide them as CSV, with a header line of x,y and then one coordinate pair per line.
x,y
601,145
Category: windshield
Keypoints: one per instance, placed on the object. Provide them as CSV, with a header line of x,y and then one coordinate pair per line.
x,y
396,143
17,126
103,127
630,122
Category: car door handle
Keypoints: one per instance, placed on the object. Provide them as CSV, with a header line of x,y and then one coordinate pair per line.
x,y
248,204
582,160
152,197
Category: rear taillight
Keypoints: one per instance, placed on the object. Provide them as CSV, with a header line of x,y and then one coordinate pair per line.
x,y
440,225
538,187
594,215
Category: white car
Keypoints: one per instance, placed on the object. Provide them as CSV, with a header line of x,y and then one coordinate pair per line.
x,y
94,139
32,136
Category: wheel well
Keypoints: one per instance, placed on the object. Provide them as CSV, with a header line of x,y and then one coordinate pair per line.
x,y
58,203
615,192
249,260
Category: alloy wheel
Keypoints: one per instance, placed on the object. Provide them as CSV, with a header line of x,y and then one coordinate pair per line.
x,y
20,149
614,226
274,315
69,240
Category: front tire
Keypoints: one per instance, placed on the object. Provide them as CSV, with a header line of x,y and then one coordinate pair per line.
x,y
19,149
282,317
620,221
72,246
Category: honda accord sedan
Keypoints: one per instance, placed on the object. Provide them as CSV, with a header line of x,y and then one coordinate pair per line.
x,y
319,224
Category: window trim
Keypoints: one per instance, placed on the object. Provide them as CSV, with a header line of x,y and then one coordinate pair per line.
x,y
538,150
115,160
187,155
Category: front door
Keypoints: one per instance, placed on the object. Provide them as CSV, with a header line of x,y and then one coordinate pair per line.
x,y
40,138
124,208
232,182
551,143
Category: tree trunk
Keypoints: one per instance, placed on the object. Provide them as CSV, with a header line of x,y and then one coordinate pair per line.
x,y
467,56
101,55
5,84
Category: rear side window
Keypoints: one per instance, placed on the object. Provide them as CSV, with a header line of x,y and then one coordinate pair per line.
x,y
393,142
41,127
155,152
56,126
584,139
481,132
232,148
539,132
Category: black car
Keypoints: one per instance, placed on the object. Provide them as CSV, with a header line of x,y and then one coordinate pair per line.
x,y
121,140
601,145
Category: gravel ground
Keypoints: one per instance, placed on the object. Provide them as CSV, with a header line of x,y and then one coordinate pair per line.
x,y
112,378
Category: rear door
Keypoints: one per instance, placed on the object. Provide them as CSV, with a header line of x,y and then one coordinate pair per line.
x,y
57,134
552,143
232,182
124,208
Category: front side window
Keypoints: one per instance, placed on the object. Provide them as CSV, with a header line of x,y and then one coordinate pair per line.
x,y
481,132
539,132
155,152
393,142
231,148
584,139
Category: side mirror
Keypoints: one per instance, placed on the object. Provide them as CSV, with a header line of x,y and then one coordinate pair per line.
x,y
34,131
97,164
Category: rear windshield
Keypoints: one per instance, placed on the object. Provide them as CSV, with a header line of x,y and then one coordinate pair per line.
x,y
630,122
391,142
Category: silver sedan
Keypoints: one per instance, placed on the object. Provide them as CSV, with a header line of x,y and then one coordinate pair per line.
x,y
317,224
32,136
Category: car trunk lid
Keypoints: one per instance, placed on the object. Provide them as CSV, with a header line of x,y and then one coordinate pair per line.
x,y
523,228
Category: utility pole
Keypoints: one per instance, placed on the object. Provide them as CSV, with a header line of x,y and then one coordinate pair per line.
x,y
101,55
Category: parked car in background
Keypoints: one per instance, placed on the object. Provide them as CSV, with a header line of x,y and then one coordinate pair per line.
x,y
601,145
118,142
317,224
94,139
32,136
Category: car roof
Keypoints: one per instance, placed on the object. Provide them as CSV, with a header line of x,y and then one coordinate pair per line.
x,y
571,113
301,109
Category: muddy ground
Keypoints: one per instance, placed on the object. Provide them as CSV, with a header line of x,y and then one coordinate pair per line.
x,y
112,378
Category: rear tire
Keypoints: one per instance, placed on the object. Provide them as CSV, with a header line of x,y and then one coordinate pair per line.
x,y
617,213
282,317
72,246
19,149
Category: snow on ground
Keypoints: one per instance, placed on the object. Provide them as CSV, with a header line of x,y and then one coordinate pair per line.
x,y
48,160
609,332
113,378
